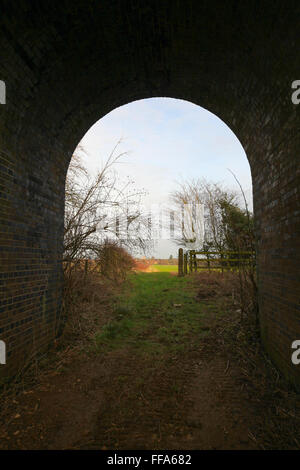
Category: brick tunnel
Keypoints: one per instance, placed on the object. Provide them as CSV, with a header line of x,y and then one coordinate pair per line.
x,y
66,64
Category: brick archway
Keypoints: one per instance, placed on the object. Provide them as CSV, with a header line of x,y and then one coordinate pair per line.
x,y
66,64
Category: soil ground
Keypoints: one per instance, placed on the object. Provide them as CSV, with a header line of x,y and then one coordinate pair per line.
x,y
153,374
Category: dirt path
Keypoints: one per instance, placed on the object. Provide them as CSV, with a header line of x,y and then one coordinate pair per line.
x,y
116,403
158,387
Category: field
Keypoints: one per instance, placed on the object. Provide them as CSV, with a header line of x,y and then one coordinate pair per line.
x,y
163,268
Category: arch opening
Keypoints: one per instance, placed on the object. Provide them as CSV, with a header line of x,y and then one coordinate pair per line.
x,y
54,93
173,141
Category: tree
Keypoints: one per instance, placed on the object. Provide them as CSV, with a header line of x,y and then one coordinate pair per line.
x,y
99,208
238,227
198,214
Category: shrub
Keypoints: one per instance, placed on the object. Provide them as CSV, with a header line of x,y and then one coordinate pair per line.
x,y
114,261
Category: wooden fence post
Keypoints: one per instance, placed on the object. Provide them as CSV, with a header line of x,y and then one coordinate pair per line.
x,y
190,262
208,262
180,262
195,263
185,264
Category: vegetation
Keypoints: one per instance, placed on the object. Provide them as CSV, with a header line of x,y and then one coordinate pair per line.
x,y
214,221
164,268
114,261
165,364
100,209
101,216
238,227
209,217
156,313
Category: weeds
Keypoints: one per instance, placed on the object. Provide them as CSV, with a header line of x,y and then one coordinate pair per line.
x,y
155,314
239,336
155,323
113,331
87,300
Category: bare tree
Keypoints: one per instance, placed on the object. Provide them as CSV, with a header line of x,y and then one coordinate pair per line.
x,y
199,214
101,207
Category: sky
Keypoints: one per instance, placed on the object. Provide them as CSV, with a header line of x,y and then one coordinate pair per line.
x,y
167,141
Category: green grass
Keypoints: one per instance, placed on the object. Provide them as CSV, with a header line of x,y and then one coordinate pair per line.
x,y
164,268
155,314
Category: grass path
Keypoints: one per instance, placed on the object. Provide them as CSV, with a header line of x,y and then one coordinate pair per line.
x,y
161,337
152,377
156,314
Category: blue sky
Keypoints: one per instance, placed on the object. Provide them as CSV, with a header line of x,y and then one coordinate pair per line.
x,y
168,140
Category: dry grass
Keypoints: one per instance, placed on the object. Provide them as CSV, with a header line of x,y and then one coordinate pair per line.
x,y
86,304
90,305
266,386
89,286
86,307
237,333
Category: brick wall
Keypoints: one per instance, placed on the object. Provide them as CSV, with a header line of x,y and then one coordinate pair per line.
x,y
67,63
